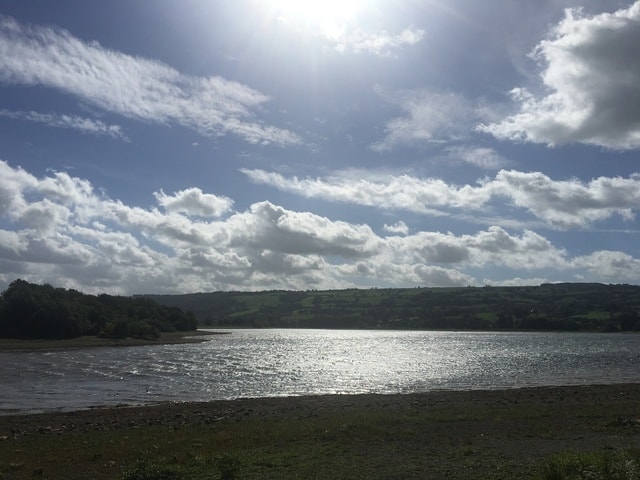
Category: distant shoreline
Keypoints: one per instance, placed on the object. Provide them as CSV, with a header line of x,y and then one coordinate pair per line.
x,y
165,338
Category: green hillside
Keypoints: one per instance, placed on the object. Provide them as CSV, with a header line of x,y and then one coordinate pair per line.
x,y
567,306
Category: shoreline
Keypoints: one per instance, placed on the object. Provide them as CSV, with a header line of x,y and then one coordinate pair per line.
x,y
452,434
174,338
168,338
330,401
316,398
165,338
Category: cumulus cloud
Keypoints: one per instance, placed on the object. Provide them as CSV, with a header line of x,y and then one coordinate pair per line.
x,y
417,274
270,227
618,267
429,116
590,83
193,201
11,244
494,246
133,87
399,228
60,229
561,204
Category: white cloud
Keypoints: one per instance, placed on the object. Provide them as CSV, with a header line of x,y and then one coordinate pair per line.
x,y
193,201
399,228
494,246
270,227
356,40
57,229
570,203
483,157
392,193
516,282
72,122
590,82
617,267
121,248
131,86
11,244
428,275
429,116
561,204
341,30
409,275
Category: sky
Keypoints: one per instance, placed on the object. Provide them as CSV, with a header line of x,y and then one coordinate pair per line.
x,y
160,146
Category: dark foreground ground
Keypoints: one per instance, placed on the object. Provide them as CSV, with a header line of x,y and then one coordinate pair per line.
x,y
456,435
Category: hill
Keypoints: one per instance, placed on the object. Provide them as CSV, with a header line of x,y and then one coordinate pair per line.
x,y
566,306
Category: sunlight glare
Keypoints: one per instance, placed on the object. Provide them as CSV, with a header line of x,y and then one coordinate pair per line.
x,y
316,11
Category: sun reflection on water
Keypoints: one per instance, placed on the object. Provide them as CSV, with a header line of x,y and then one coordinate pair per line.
x,y
259,363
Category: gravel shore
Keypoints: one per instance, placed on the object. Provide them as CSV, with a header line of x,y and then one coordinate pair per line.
x,y
478,430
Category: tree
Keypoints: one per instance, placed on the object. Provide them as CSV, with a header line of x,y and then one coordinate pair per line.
x,y
629,320
42,311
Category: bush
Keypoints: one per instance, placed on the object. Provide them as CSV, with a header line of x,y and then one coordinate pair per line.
x,y
141,329
118,330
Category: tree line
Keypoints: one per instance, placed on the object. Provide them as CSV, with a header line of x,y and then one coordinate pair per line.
x,y
41,311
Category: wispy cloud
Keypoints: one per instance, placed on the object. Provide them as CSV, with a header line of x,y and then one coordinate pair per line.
x,y
73,122
344,32
356,40
590,81
402,192
134,87
482,157
562,204
429,117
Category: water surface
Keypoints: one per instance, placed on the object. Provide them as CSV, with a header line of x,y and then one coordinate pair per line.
x,y
263,363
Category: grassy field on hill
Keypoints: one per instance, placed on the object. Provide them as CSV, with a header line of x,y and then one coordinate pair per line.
x,y
574,307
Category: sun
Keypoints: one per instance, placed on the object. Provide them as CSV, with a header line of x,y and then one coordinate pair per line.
x,y
316,11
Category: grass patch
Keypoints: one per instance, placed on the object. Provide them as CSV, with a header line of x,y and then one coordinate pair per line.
x,y
623,465
144,469
355,446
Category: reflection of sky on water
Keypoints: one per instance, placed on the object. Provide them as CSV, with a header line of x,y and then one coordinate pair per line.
x,y
258,363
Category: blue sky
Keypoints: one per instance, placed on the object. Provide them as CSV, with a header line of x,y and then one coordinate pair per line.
x,y
168,147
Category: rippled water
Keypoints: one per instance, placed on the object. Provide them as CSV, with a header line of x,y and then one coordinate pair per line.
x,y
261,363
